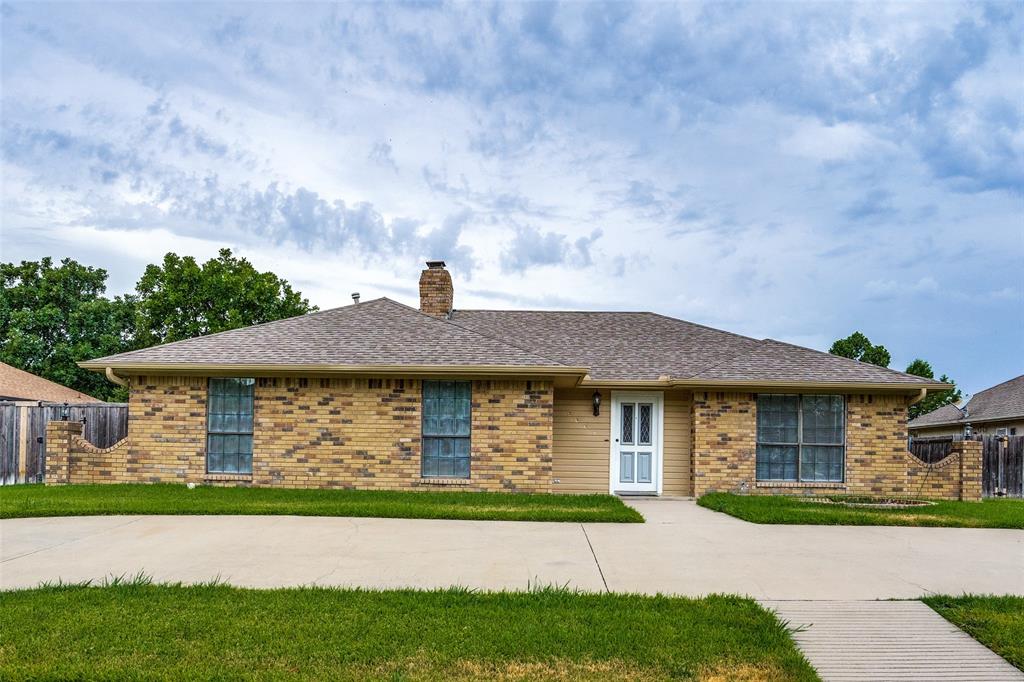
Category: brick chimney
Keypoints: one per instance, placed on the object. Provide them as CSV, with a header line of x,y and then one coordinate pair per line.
x,y
436,291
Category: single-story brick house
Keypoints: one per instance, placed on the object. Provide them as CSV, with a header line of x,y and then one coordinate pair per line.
x,y
996,411
379,395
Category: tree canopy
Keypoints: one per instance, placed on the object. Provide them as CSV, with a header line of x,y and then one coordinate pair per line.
x,y
932,401
181,299
856,346
52,317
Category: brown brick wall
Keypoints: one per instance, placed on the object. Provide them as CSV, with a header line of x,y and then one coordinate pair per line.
x,y
957,477
166,429
876,444
724,442
877,461
344,433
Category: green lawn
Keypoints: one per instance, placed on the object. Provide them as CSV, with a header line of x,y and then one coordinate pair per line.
x,y
996,622
793,510
174,632
18,501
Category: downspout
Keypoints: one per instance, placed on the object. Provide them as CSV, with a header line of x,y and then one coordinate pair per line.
x,y
914,401
120,381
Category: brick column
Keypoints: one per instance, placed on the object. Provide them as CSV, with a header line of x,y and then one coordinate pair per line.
x,y
59,437
970,469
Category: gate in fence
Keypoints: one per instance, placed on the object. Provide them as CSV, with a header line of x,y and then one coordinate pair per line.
x,y
1002,466
23,434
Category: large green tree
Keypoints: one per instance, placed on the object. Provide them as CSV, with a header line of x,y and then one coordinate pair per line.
x,y
181,299
858,347
53,316
932,401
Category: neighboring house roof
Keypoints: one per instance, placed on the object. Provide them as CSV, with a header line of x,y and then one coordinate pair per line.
x,y
607,346
947,414
17,384
1002,401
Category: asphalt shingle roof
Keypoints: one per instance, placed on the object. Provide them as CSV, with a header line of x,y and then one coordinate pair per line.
x,y
648,346
638,346
1002,401
609,346
378,332
17,384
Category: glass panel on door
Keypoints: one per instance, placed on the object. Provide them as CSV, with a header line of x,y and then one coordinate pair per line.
x,y
627,423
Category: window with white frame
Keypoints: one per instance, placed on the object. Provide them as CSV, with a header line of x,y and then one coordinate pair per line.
x,y
801,437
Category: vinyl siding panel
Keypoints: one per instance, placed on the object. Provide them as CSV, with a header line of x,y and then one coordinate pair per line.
x,y
580,452
678,481
581,443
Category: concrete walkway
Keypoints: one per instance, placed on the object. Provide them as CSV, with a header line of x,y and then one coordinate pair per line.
x,y
881,641
682,549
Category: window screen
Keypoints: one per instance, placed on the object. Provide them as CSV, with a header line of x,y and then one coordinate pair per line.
x,y
446,426
229,426
800,438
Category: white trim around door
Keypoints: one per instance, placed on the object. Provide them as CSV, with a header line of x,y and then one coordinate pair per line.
x,y
637,439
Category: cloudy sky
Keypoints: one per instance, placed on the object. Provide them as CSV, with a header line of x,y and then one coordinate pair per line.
x,y
787,171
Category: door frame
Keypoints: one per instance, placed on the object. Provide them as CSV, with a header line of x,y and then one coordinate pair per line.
x,y
657,398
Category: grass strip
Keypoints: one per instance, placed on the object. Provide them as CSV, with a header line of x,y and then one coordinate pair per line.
x,y
996,622
99,500
991,513
132,629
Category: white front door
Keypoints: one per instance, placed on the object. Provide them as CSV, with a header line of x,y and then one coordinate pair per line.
x,y
636,442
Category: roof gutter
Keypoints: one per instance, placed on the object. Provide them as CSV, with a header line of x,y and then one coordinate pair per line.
x,y
783,385
353,370
120,381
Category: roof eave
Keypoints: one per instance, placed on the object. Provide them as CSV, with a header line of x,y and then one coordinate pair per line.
x,y
781,385
264,369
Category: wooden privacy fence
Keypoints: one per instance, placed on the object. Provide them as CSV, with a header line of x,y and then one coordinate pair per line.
x,y
1002,466
931,450
23,434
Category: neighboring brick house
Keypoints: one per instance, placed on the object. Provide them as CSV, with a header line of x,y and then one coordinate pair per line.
x,y
996,411
378,395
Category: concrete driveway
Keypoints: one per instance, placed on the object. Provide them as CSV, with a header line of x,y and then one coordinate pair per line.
x,y
682,549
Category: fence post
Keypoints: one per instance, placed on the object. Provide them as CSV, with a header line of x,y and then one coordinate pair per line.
x,y
22,444
59,437
970,470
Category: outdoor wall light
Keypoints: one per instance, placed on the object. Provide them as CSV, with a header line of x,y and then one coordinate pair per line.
x,y
65,413
597,403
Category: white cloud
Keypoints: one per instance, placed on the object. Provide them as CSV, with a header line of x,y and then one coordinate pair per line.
x,y
785,171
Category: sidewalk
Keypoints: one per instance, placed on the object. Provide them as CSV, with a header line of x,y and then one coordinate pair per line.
x,y
682,549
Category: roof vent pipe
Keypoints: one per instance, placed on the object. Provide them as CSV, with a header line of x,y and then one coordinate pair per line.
x,y
355,297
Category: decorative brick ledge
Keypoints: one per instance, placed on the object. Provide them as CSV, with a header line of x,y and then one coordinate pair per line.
x,y
81,446
817,485
445,481
227,477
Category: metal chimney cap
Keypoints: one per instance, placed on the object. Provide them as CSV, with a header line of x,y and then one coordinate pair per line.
x,y
355,297
435,264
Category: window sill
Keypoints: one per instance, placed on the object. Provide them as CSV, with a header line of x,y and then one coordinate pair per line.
x,y
833,485
444,481
227,477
